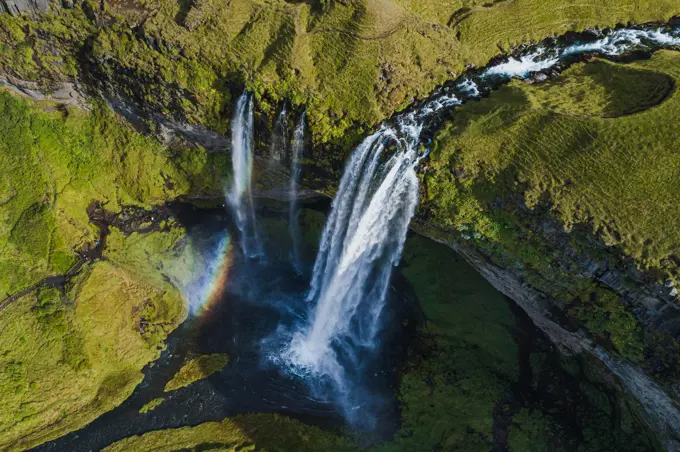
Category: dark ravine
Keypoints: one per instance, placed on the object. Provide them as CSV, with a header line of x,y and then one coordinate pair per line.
x,y
661,411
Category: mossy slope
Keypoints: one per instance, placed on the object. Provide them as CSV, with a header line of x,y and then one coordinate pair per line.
x,y
69,354
582,153
351,63
67,357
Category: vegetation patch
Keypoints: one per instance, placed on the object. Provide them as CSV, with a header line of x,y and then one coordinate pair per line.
x,y
56,163
267,432
67,357
196,369
512,172
70,353
468,358
151,405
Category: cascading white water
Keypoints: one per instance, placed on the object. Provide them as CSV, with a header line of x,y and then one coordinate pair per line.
x,y
365,232
611,43
279,145
297,150
362,241
240,195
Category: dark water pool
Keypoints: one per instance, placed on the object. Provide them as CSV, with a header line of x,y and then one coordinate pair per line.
x,y
263,301
249,320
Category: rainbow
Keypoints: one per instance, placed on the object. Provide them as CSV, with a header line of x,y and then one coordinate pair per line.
x,y
204,292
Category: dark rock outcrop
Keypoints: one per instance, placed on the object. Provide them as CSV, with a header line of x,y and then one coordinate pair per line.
x,y
17,7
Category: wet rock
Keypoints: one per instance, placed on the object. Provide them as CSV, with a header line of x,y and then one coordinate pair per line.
x,y
650,302
613,279
18,7
65,93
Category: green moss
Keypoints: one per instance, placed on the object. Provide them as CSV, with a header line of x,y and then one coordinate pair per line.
x,y
352,63
56,164
268,432
596,165
604,314
75,353
449,392
196,369
530,432
67,357
151,405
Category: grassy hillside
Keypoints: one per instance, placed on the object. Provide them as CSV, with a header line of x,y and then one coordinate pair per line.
x,y
585,144
352,63
587,152
55,163
68,355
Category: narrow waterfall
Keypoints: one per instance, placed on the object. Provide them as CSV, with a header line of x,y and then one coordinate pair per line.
x,y
240,196
279,147
297,150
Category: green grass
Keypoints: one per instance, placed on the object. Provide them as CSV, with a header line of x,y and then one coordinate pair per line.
x,y
584,150
196,369
56,163
609,169
155,403
266,432
351,63
66,358
522,21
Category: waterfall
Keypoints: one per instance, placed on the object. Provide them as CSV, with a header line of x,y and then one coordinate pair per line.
x,y
279,139
297,150
362,241
240,196
365,233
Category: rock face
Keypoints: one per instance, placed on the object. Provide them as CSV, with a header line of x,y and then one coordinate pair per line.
x,y
65,93
661,413
18,7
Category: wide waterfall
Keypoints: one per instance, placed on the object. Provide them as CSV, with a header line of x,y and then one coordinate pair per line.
x,y
297,150
240,196
361,243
